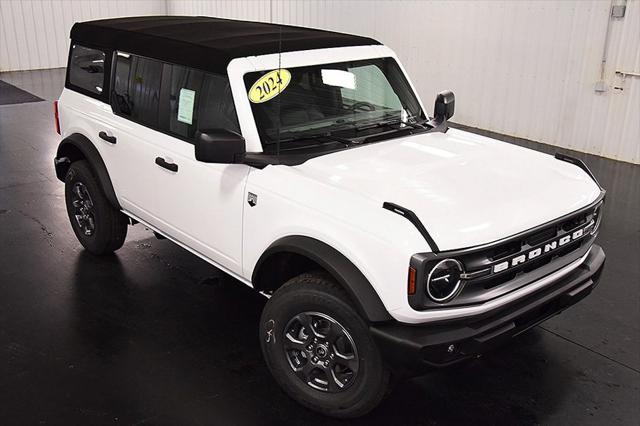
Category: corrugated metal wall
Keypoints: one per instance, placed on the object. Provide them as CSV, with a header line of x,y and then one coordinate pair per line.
x,y
524,68
34,34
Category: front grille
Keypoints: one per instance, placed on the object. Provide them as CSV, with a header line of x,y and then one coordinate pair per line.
x,y
505,255
541,237
505,250
497,280
496,269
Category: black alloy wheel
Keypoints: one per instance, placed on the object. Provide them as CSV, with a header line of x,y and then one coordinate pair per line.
x,y
321,352
84,215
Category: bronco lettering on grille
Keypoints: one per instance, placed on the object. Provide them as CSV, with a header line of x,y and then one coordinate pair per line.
x,y
545,248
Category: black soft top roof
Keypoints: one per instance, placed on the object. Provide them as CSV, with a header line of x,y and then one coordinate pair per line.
x,y
204,42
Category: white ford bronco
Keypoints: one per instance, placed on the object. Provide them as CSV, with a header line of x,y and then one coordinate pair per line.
x,y
304,164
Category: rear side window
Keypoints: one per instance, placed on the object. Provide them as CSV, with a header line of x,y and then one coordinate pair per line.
x,y
86,69
172,98
136,88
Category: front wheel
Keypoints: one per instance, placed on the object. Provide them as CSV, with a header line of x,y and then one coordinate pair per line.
x,y
319,349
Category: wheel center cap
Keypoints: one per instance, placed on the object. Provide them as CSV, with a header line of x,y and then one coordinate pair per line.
x,y
322,351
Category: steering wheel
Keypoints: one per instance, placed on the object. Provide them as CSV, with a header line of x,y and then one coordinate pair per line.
x,y
362,106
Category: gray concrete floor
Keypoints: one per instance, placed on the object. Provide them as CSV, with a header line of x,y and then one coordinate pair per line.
x,y
155,335
46,84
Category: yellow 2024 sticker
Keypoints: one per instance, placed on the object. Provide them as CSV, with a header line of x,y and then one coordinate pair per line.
x,y
269,86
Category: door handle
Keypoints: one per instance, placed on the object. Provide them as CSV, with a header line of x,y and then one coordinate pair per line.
x,y
165,165
111,139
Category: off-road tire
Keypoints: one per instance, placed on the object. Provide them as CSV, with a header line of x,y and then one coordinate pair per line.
x,y
109,224
318,292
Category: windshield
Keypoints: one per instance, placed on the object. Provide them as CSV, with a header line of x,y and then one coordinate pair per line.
x,y
328,99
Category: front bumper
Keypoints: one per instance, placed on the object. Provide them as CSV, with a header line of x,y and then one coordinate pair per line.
x,y
415,348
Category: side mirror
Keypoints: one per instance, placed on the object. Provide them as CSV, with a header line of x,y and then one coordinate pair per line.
x,y
445,105
219,146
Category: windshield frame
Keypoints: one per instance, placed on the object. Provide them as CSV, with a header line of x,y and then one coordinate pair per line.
x,y
239,67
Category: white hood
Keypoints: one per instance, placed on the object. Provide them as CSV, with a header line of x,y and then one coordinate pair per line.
x,y
466,189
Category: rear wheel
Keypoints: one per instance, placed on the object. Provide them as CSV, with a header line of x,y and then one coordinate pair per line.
x,y
319,349
99,227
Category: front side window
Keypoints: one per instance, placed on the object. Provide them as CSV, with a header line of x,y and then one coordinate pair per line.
x,y
192,100
86,69
336,99
179,99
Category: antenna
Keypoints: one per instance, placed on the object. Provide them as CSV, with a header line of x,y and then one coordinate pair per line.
x,y
279,89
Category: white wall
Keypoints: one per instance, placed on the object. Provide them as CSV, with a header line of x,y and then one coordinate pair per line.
x,y
34,34
523,68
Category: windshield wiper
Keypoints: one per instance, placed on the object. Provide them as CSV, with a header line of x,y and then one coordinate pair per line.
x,y
326,135
389,123
394,130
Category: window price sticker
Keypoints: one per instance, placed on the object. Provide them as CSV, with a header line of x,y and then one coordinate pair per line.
x,y
185,105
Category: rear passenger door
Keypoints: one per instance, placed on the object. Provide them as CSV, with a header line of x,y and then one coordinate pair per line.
x,y
161,107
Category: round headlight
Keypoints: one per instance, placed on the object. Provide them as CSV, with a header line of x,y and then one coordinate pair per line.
x,y
443,281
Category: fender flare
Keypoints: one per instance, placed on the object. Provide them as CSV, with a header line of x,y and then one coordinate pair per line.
x,y
367,301
76,147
